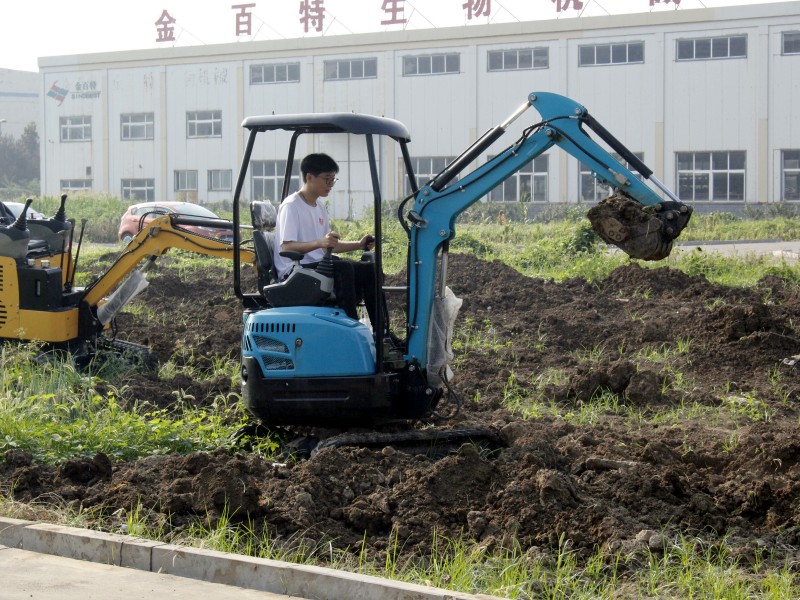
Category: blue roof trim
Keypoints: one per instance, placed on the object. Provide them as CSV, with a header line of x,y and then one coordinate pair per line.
x,y
19,94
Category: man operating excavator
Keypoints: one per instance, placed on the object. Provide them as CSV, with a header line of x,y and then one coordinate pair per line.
x,y
303,226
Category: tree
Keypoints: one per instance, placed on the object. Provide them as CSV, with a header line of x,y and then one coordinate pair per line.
x,y
19,161
28,148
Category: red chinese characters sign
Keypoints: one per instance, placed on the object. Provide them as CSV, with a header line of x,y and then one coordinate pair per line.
x,y
477,8
394,10
164,28
244,19
562,5
313,14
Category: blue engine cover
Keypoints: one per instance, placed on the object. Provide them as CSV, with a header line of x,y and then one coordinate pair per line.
x,y
308,341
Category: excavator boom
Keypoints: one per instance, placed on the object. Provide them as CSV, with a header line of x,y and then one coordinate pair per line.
x,y
640,222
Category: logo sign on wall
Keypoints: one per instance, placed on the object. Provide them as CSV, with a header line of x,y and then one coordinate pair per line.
x,y
86,90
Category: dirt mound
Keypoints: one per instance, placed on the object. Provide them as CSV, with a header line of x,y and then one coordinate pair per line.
x,y
656,339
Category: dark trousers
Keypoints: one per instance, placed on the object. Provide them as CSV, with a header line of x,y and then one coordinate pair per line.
x,y
354,282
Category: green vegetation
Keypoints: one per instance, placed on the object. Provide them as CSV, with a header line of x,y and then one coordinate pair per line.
x,y
19,164
53,410
683,567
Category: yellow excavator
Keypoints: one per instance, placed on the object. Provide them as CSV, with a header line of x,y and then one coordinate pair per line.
x,y
38,299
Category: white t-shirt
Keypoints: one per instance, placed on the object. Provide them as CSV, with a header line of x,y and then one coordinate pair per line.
x,y
299,222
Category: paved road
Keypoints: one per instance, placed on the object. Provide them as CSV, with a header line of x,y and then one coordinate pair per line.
x,y
788,251
33,576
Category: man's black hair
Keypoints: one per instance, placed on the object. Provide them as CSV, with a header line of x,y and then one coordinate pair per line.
x,y
316,164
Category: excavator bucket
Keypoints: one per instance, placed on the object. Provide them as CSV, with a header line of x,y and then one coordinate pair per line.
x,y
643,232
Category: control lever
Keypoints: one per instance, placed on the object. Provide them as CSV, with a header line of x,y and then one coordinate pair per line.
x,y
61,214
22,221
325,266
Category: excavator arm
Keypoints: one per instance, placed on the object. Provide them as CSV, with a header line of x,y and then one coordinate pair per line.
x,y
636,219
161,235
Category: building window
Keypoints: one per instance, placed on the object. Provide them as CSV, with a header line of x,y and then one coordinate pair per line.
x,y
75,129
791,175
729,46
185,181
204,123
622,53
594,190
353,68
529,184
518,60
274,73
219,180
425,169
791,42
139,190
75,184
137,126
711,175
266,179
431,64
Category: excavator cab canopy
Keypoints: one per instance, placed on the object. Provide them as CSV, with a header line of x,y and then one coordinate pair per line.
x,y
330,123
367,126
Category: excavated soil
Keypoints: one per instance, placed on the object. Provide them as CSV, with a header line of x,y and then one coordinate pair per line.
x,y
622,481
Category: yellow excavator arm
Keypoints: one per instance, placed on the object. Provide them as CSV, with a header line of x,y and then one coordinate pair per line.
x,y
160,235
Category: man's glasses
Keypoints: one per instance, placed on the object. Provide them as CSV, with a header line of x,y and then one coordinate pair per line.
x,y
331,181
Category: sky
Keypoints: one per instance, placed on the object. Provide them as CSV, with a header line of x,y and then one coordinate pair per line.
x,y
30,29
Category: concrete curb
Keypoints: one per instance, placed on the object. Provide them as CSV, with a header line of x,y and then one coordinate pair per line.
x,y
259,574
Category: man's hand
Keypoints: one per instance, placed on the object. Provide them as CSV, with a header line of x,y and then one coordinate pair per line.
x,y
367,242
330,240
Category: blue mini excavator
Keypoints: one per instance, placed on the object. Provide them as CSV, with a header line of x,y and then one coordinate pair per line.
x,y
305,363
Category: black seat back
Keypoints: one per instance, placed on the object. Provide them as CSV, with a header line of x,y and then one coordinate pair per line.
x,y
263,218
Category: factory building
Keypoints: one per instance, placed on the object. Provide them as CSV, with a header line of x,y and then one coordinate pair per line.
x,y
708,98
20,101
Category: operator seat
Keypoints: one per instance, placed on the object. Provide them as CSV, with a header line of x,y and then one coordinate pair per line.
x,y
263,217
303,287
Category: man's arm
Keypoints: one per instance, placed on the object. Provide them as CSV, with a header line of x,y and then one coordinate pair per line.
x,y
331,240
365,243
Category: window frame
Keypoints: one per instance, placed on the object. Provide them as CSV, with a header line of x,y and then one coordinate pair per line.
x,y
504,53
511,185
200,118
148,124
264,67
350,62
66,184
794,42
425,169
431,58
794,172
185,180
612,49
597,185
271,177
712,40
224,186
712,173
67,125
130,189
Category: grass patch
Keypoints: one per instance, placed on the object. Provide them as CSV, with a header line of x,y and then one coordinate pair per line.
x,y
56,412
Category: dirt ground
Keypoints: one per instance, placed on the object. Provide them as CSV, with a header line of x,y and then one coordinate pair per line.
x,y
615,482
